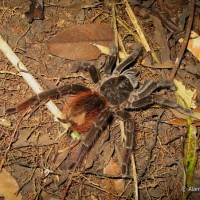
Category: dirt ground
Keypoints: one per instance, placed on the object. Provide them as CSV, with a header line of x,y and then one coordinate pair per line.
x,y
35,147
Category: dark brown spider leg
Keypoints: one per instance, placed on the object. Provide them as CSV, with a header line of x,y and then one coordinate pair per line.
x,y
131,58
156,99
111,59
92,136
132,74
150,86
49,94
94,73
129,130
167,103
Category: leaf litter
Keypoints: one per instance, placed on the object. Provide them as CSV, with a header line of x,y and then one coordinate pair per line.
x,y
74,43
40,153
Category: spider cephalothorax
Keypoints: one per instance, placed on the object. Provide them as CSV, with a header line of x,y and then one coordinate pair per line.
x,y
117,89
116,94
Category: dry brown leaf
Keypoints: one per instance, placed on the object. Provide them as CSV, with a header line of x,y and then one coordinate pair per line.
x,y
113,168
178,114
197,109
165,65
25,140
181,122
97,149
176,121
48,196
193,44
8,186
62,154
161,39
196,123
74,43
106,152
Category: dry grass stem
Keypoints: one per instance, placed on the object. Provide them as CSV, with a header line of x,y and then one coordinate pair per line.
x,y
31,81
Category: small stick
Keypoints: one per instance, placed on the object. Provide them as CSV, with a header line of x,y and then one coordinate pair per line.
x,y
135,177
137,26
139,30
32,82
186,39
114,21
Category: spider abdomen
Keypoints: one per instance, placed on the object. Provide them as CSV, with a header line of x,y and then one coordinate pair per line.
x,y
117,89
83,110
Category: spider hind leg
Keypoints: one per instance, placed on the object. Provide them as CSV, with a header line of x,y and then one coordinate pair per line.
x,y
91,137
129,140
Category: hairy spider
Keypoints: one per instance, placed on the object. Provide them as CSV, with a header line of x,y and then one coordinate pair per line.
x,y
116,94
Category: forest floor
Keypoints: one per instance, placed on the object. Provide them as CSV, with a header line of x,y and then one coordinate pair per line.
x,y
35,148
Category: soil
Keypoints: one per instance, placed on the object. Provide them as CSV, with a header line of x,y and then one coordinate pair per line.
x,y
36,149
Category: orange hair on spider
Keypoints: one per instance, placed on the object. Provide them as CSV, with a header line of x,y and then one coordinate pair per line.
x,y
83,110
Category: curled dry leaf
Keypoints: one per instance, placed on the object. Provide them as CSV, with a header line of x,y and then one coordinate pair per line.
x,y
106,152
8,186
74,43
99,148
185,97
193,44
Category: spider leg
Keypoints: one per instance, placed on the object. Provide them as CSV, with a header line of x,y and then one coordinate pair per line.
x,y
156,99
131,58
92,136
167,103
132,74
111,59
151,85
49,94
93,71
129,129
94,74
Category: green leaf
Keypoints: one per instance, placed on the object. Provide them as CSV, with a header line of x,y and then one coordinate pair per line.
x,y
186,98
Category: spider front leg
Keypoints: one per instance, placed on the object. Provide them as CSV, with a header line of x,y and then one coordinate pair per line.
x,y
171,104
130,59
129,140
48,94
111,59
92,136
143,97
150,86
109,63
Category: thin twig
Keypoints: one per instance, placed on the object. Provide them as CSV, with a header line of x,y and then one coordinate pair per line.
x,y
31,81
185,42
137,26
136,195
152,147
114,20
100,175
11,142
70,180
139,30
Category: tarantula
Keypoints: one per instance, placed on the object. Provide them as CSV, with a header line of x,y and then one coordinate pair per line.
x,y
116,94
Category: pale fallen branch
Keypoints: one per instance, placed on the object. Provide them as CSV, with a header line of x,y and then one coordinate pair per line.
x,y
31,81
